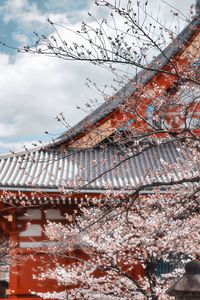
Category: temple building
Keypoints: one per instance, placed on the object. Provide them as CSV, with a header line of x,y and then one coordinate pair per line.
x,y
44,183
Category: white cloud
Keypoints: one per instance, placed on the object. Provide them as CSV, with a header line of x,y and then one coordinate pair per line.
x,y
26,13
34,89
7,129
20,10
22,39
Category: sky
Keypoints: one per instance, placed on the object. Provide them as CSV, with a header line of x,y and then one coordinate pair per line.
x,y
34,89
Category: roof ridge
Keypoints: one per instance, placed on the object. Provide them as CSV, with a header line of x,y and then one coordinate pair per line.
x,y
20,152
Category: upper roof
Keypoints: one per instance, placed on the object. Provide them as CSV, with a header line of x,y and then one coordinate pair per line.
x,y
143,77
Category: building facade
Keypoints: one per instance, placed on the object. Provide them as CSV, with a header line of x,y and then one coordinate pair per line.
x,y
44,183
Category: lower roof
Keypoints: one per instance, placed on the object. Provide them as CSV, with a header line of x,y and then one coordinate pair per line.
x,y
94,170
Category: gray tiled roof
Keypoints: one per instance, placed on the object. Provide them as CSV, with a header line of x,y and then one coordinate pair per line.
x,y
51,170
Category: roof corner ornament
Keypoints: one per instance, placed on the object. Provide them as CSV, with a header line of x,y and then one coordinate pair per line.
x,y
187,287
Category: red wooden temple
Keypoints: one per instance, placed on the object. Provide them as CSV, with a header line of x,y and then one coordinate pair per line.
x,y
44,183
